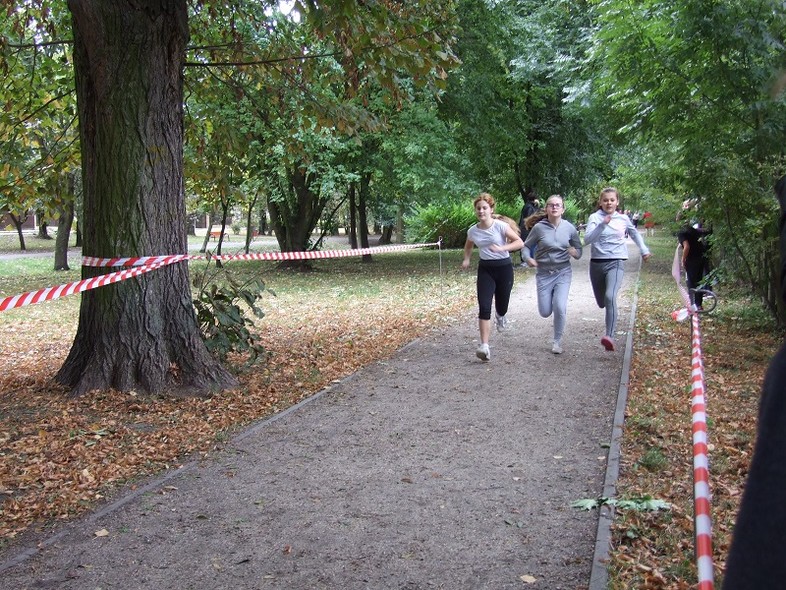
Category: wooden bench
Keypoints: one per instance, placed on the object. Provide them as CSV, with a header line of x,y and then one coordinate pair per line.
x,y
215,234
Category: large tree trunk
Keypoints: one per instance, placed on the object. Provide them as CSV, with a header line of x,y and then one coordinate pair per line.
x,y
139,334
294,218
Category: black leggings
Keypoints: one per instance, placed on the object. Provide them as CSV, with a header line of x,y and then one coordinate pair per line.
x,y
495,281
694,275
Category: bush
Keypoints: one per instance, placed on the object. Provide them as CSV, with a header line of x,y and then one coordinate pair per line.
x,y
450,222
224,324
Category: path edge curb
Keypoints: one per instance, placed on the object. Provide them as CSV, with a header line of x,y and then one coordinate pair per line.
x,y
599,575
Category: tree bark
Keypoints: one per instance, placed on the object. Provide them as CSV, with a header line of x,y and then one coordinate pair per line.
x,y
139,334
365,182
250,223
353,232
294,218
43,229
18,221
64,221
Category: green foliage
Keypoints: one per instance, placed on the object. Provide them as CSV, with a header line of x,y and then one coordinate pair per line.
x,y
653,459
701,84
38,127
223,319
449,222
642,504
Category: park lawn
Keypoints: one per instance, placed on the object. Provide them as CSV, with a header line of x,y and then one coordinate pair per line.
x,y
60,456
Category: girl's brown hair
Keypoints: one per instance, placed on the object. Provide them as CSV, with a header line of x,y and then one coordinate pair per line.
x,y
513,225
484,197
610,189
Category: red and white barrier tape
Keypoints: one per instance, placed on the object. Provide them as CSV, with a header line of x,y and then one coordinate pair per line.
x,y
310,255
702,498
50,293
143,264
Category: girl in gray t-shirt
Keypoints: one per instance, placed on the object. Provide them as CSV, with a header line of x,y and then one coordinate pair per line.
x,y
495,239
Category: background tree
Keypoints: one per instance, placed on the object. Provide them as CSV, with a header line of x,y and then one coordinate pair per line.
x,y
38,138
508,99
697,81
141,334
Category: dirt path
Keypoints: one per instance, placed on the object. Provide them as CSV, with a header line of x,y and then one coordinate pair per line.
x,y
429,470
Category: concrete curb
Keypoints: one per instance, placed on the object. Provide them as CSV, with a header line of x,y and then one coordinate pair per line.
x,y
599,575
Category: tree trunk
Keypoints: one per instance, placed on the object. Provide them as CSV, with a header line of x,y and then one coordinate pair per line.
x,y
224,215
18,222
208,230
365,182
64,221
43,228
294,218
250,223
400,223
353,232
139,334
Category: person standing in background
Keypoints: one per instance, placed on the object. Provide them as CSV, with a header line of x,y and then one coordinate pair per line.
x,y
606,231
495,240
694,259
557,241
529,209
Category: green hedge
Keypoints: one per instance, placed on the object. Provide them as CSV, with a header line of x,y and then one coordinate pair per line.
x,y
449,222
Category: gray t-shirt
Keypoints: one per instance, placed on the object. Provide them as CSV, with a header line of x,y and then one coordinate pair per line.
x,y
608,239
483,238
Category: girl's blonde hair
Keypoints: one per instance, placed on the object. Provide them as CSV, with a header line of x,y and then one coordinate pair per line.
x,y
530,221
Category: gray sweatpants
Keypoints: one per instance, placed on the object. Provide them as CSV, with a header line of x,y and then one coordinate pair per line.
x,y
553,288
606,279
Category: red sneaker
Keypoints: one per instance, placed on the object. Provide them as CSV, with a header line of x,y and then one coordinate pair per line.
x,y
607,343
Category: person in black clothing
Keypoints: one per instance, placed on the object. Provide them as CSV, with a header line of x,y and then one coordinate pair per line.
x,y
694,258
530,208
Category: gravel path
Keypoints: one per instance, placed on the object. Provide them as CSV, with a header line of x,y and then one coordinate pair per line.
x,y
431,470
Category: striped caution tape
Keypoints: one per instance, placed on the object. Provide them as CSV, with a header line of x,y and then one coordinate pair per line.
x,y
51,293
142,264
702,497
310,255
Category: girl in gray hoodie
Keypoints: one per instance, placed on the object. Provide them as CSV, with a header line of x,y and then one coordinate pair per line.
x,y
606,230
555,241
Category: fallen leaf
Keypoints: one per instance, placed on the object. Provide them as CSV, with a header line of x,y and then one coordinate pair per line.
x,y
527,579
102,533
